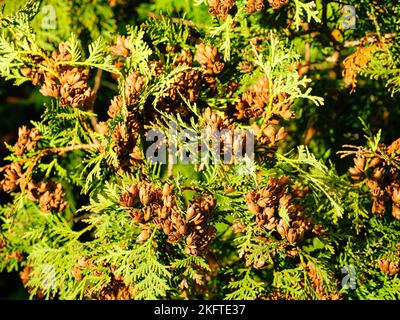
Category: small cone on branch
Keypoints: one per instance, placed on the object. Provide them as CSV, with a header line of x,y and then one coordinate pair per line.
x,y
254,5
52,198
277,4
221,8
27,140
187,84
208,58
121,47
389,267
144,235
126,199
133,86
12,178
115,107
156,68
184,59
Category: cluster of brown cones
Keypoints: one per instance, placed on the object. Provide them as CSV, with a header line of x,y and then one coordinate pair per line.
x,y
27,140
275,207
187,82
133,86
277,4
200,232
209,60
389,267
50,195
57,80
232,139
13,175
125,134
318,285
254,5
255,99
382,177
221,8
146,202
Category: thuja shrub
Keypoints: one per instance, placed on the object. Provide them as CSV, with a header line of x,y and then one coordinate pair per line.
x,y
168,161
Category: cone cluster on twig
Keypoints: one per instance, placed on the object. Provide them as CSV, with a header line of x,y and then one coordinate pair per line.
x,y
253,6
58,80
50,195
208,58
268,136
27,140
121,47
275,207
13,175
187,82
146,202
255,100
116,290
232,139
318,285
389,267
221,8
381,172
277,4
200,232
125,137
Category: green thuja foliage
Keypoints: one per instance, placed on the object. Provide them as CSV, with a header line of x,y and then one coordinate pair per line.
x,y
117,191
